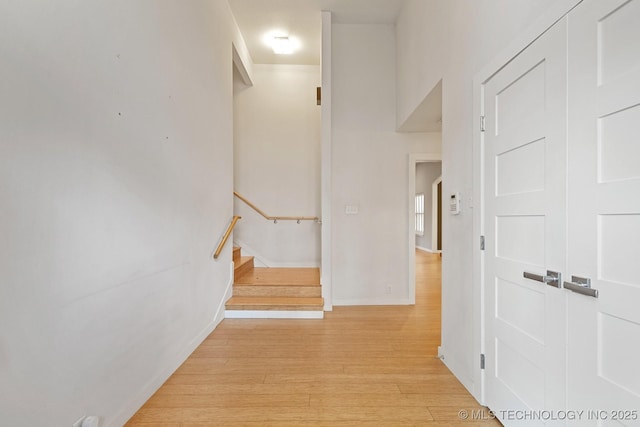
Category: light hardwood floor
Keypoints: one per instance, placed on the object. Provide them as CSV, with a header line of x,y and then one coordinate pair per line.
x,y
360,366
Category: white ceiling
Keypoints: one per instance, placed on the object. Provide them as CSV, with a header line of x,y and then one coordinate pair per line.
x,y
300,19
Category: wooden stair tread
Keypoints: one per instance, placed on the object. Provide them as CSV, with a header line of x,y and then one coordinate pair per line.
x,y
274,290
242,267
260,276
244,260
275,303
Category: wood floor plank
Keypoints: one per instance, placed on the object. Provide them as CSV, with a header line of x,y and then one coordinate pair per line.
x,y
227,400
345,400
191,379
300,423
262,389
469,414
253,414
132,424
359,366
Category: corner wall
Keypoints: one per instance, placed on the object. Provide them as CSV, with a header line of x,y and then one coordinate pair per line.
x,y
277,164
115,184
369,169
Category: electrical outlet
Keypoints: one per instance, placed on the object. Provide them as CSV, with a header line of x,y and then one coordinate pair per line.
x,y
388,290
91,421
78,423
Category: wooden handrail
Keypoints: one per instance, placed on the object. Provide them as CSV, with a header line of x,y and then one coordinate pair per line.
x,y
275,218
226,236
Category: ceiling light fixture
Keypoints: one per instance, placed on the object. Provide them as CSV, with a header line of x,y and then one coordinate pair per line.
x,y
282,45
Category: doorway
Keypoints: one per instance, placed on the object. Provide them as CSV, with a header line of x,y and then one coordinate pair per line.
x,y
560,225
428,176
436,223
414,161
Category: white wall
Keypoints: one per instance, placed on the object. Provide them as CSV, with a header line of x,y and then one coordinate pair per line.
x,y
369,169
277,163
115,183
420,31
468,34
426,174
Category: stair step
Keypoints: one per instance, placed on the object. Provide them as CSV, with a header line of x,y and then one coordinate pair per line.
x,y
283,293
245,265
275,303
237,254
293,291
281,276
279,282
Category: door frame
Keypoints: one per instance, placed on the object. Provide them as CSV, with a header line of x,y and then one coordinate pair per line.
x,y
435,213
556,11
414,159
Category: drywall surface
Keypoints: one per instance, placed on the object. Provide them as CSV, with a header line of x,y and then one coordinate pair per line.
x,y
115,184
369,169
277,163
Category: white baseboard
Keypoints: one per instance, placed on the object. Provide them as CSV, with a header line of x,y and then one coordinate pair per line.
x,y
273,314
262,261
431,251
371,301
152,386
228,293
458,369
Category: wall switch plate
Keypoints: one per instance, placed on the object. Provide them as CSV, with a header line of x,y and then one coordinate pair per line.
x,y
351,209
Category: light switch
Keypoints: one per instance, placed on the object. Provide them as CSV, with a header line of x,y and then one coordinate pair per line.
x,y
351,209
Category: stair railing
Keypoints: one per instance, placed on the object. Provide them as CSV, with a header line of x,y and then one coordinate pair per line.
x,y
275,219
226,236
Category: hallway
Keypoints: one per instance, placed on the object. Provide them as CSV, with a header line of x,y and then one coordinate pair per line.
x,y
364,366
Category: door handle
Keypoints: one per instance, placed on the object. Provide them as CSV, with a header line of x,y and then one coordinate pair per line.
x,y
553,278
581,285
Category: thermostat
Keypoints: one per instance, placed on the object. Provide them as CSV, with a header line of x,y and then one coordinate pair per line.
x,y
454,204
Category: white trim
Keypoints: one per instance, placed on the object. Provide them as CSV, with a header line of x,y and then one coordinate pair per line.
x,y
434,213
420,230
241,66
262,261
374,301
411,240
152,386
557,10
325,168
274,314
431,251
228,293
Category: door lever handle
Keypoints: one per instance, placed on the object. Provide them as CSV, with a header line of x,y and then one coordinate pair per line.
x,y
553,278
581,285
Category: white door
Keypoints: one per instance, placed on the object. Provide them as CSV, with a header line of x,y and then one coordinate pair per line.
x,y
524,147
604,211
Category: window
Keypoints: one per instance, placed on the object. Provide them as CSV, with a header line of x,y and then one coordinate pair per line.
x,y
420,214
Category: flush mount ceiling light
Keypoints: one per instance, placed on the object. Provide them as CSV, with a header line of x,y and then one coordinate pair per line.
x,y
282,45
281,42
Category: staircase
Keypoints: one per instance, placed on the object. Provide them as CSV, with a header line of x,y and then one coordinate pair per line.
x,y
277,293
